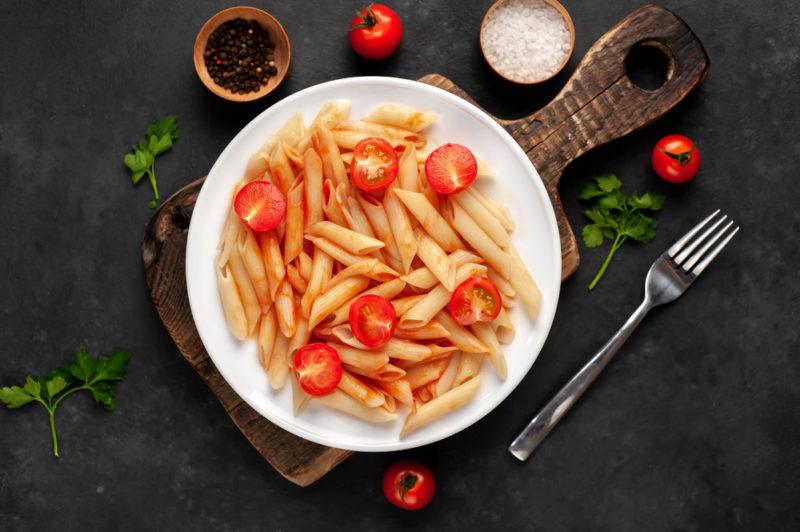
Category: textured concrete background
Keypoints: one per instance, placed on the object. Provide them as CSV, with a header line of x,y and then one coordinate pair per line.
x,y
694,426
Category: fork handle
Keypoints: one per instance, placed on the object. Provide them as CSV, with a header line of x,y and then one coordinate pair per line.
x,y
547,418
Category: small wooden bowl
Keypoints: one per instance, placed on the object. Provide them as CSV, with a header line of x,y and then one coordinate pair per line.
x,y
570,27
282,53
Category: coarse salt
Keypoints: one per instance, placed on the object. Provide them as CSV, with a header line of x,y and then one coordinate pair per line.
x,y
526,40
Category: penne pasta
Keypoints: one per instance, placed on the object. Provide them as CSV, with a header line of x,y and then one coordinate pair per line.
x,y
401,116
524,285
273,261
295,279
367,360
468,367
435,300
387,372
247,294
422,374
229,233
401,227
371,129
293,239
448,377
435,259
459,336
231,303
489,223
321,269
304,265
299,397
254,264
407,171
423,278
422,396
437,407
338,400
498,211
399,389
367,267
402,304
379,272
331,207
331,114
266,338
503,327
502,284
386,290
332,165
406,350
433,222
376,215
279,167
348,139
278,364
349,240
312,184
485,333
335,297
433,330
284,309
389,402
480,241
360,391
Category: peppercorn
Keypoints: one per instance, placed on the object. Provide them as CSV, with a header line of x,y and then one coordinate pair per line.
x,y
252,51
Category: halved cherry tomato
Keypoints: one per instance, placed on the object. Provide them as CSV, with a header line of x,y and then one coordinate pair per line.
x,y
374,165
318,368
375,32
261,205
476,299
409,485
676,158
373,320
451,168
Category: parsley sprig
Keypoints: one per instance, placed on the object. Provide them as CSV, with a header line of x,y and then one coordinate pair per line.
x,y
141,160
617,217
85,373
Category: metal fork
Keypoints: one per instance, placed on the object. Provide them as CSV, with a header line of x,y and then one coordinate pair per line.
x,y
669,277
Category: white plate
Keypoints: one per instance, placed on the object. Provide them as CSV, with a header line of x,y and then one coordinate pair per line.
x,y
517,185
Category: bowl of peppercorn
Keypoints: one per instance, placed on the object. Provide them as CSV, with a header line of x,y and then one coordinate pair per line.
x,y
242,54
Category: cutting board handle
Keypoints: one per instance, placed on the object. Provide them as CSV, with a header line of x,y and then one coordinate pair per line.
x,y
600,103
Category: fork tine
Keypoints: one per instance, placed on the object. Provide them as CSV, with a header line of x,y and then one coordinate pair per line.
x,y
685,252
676,247
699,255
706,261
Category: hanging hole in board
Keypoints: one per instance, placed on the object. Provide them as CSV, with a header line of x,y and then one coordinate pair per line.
x,y
649,65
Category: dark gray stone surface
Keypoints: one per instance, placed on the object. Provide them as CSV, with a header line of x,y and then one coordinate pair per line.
x,y
694,426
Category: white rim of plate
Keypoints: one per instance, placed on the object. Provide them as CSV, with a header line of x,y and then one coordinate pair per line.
x,y
483,117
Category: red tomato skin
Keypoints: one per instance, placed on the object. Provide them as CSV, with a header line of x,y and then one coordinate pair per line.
x,y
668,168
457,300
266,200
419,495
443,160
311,385
391,167
385,307
383,38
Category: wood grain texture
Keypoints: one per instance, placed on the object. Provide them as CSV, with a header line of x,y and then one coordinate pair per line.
x,y
164,254
597,105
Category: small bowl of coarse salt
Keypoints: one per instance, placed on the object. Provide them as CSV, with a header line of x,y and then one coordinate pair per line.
x,y
527,41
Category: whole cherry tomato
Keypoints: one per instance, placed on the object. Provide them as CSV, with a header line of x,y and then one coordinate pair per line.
x,y
375,32
409,485
676,158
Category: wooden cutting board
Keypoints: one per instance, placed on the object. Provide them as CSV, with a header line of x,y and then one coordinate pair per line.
x,y
598,104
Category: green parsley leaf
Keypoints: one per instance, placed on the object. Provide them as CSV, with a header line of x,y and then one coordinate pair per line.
x,y
94,375
617,217
141,160
15,397
592,235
